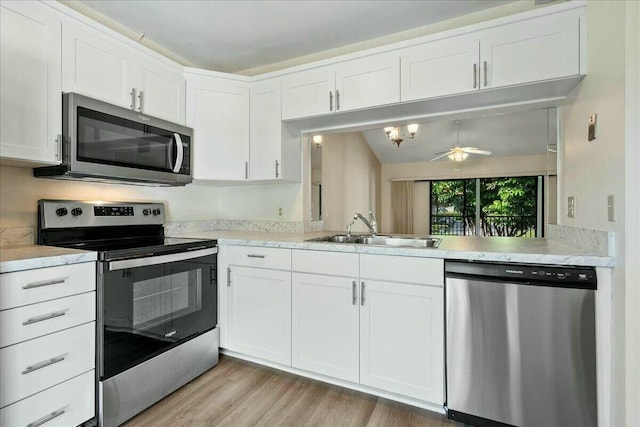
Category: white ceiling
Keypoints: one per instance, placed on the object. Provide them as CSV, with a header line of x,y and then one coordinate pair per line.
x,y
232,36
515,134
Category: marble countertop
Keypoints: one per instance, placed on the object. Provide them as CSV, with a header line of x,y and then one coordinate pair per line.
x,y
29,257
500,249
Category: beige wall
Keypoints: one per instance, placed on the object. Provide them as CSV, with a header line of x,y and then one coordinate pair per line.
x,y
20,191
591,171
445,169
350,180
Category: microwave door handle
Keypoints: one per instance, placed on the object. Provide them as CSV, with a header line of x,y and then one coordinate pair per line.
x,y
180,156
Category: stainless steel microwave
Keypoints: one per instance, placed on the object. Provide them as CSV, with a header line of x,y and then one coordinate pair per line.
x,y
106,143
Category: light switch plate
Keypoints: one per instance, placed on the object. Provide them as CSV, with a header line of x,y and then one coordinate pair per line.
x,y
611,209
571,207
593,121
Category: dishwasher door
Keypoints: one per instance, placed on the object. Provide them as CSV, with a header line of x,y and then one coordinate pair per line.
x,y
520,354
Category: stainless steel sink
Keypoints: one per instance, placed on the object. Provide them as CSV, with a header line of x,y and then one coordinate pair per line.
x,y
413,242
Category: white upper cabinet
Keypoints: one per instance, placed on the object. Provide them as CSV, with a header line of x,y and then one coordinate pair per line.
x,y
218,112
440,68
105,68
368,82
161,92
530,51
266,131
308,93
30,83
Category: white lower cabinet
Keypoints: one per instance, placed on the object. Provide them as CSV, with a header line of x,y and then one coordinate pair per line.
x,y
260,313
324,325
402,339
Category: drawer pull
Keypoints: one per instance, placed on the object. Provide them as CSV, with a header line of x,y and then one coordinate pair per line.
x,y
45,317
170,334
47,283
255,256
46,418
43,364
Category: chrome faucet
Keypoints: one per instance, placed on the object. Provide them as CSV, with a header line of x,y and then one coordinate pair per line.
x,y
372,223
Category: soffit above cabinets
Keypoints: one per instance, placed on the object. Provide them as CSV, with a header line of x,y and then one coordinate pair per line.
x,y
231,36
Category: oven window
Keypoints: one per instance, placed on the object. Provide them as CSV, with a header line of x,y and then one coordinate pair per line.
x,y
149,309
111,140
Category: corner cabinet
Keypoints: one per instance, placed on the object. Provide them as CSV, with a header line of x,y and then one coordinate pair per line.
x,y
102,67
218,112
361,83
30,83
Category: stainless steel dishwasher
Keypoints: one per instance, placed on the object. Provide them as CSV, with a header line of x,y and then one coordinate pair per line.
x,y
520,344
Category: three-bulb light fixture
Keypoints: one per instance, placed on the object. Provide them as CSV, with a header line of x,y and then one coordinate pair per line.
x,y
393,133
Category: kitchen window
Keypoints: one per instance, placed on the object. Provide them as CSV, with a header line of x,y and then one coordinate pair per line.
x,y
508,207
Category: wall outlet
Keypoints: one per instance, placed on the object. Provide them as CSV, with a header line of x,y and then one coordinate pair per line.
x,y
280,212
611,209
571,207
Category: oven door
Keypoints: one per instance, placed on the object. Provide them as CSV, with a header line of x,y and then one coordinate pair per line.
x,y
149,305
113,142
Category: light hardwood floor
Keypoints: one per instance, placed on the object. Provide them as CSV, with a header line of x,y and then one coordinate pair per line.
x,y
239,393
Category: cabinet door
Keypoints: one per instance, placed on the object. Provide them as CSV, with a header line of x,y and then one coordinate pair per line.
x,y
97,66
402,339
30,83
260,313
530,51
440,68
218,112
266,131
308,93
325,325
161,91
368,82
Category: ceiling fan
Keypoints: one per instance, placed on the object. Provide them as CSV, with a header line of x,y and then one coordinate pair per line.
x,y
457,153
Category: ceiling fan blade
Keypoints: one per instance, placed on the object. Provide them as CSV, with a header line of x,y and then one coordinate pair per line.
x,y
473,150
442,155
443,152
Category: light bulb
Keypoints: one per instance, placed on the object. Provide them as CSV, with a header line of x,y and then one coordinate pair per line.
x,y
317,140
412,129
388,130
458,156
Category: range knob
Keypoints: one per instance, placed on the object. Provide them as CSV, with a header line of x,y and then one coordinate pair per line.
x,y
61,211
76,211
146,212
156,211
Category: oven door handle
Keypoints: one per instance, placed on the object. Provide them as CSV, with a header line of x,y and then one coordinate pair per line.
x,y
159,259
180,155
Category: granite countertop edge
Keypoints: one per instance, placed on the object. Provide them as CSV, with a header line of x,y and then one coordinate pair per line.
x,y
30,257
495,249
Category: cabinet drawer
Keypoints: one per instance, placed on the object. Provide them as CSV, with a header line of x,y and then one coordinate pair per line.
x,y
426,271
35,320
252,256
34,365
75,397
27,287
327,263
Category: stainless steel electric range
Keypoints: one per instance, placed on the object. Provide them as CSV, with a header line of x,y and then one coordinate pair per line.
x,y
156,300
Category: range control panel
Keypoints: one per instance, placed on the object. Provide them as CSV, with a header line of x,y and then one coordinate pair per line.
x,y
65,213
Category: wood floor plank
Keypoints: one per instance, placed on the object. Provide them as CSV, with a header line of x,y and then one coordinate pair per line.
x,y
237,393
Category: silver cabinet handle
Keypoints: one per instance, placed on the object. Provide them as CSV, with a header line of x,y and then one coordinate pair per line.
x,y
228,277
170,334
354,297
59,146
47,418
246,170
485,73
140,100
48,316
337,99
47,283
42,364
277,166
133,98
475,76
330,101
361,293
255,256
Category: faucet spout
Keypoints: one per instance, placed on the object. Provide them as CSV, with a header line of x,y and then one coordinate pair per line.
x,y
372,225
